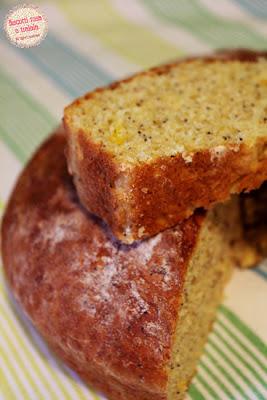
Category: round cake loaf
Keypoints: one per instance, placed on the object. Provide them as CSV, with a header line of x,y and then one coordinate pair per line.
x,y
132,320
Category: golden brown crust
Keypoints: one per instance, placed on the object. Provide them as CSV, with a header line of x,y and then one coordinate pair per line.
x,y
176,188
107,309
97,167
158,195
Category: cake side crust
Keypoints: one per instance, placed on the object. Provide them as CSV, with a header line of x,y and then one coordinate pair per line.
x,y
107,309
89,163
169,190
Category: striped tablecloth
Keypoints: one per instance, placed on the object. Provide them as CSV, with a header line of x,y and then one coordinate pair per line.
x,y
90,43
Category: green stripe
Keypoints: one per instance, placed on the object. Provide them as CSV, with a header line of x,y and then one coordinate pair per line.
x,y
240,344
132,41
216,31
194,393
207,387
245,330
216,379
23,121
13,146
223,371
240,358
236,369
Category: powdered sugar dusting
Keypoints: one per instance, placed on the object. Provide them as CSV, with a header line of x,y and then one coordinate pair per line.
x,y
86,305
153,329
145,249
104,280
56,230
142,305
59,235
101,279
116,278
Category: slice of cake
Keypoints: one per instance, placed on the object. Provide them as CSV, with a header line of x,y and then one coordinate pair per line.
x,y
147,151
132,320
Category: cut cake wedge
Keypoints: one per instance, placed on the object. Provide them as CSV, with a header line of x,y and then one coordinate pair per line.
x,y
147,151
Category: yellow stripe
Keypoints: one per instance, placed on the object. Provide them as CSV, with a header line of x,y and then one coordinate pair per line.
x,y
13,372
55,375
5,389
31,357
94,395
132,41
19,359
20,340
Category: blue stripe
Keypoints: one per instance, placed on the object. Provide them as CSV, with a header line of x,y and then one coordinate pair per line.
x,y
258,8
201,22
68,69
260,272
